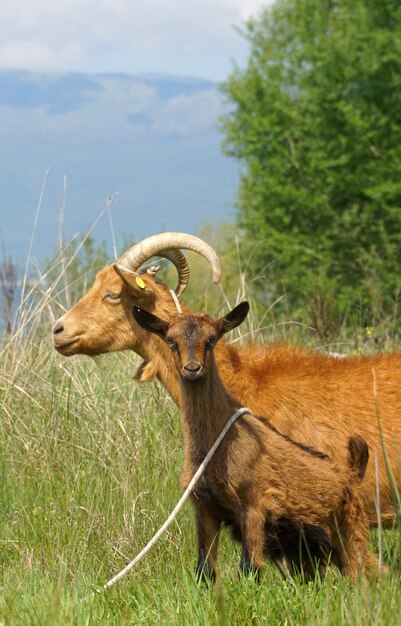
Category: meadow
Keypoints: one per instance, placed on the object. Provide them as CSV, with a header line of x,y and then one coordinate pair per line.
x,y
90,464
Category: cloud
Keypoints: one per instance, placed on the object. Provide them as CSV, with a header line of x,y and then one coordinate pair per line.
x,y
113,35
105,107
248,8
189,114
32,55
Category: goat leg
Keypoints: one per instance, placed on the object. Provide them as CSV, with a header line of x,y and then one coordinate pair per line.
x,y
351,539
253,540
207,529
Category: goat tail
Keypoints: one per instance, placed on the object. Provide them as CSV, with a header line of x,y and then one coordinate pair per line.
x,y
358,456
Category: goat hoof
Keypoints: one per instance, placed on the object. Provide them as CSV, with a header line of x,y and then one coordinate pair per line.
x,y
205,576
250,571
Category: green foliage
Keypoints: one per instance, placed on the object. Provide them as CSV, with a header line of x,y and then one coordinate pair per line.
x,y
315,119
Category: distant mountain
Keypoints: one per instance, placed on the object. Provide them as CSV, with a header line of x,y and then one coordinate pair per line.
x,y
153,138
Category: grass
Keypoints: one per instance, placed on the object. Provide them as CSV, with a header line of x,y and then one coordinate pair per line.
x,y
90,466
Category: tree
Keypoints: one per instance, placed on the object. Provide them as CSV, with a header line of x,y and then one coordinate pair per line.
x,y
315,120
9,286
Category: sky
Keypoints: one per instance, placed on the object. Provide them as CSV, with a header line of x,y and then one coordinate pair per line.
x,y
152,139
94,92
185,37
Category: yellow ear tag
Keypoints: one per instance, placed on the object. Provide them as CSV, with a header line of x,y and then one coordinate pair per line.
x,y
140,282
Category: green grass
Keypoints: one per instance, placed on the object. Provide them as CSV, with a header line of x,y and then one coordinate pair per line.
x,y
90,465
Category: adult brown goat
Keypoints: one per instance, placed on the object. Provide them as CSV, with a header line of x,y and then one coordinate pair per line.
x,y
313,398
267,487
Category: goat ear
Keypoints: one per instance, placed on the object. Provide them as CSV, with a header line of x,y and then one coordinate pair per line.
x,y
150,322
233,319
137,282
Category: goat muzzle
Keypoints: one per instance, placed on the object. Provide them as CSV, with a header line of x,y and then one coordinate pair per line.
x,y
61,341
192,371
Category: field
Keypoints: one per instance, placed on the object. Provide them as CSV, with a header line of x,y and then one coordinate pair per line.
x,y
90,466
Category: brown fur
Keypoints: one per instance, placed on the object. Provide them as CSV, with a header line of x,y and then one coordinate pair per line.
x,y
315,399
262,483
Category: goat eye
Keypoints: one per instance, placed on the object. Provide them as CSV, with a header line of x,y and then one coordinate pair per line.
x,y
112,297
171,343
211,342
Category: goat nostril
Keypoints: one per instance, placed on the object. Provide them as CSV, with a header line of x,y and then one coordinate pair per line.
x,y
58,328
192,367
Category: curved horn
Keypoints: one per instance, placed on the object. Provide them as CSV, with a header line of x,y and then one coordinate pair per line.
x,y
168,245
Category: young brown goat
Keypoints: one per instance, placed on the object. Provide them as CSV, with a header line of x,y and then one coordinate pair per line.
x,y
266,486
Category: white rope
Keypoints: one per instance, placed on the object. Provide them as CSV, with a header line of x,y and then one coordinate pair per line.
x,y
176,301
183,498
